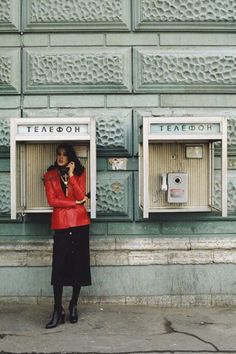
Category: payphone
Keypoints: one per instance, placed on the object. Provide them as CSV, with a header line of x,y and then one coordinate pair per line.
x,y
177,187
33,149
176,164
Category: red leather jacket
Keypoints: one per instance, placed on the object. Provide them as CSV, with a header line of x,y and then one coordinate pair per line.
x,y
66,213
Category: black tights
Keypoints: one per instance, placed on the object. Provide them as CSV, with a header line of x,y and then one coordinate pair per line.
x,y
75,295
58,290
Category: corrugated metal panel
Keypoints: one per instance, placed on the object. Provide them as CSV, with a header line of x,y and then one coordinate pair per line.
x,y
140,175
38,158
82,152
18,176
31,167
170,157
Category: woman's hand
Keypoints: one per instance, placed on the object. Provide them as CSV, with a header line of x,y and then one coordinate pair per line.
x,y
71,167
82,201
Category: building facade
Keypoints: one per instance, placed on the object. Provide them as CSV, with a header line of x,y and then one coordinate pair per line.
x,y
121,62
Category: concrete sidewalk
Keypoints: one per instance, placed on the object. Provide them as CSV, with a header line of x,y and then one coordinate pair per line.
x,y
119,329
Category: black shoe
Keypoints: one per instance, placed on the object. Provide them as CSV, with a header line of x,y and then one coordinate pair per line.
x,y
58,317
73,316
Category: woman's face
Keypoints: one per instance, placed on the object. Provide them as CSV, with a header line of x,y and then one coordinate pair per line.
x,y
62,158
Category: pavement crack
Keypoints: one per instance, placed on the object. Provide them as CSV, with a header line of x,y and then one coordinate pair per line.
x,y
3,335
169,329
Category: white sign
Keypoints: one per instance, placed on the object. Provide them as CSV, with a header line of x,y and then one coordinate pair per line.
x,y
184,128
52,129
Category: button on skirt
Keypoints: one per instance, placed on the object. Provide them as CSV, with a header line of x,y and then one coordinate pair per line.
x,y
71,262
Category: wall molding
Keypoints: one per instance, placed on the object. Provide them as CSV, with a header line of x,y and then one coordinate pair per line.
x,y
99,15
10,72
126,251
184,70
86,70
163,15
10,16
165,300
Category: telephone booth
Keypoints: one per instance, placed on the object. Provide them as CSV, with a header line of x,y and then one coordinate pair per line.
x,y
177,164
33,149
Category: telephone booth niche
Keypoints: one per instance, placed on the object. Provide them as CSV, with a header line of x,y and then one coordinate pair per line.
x,y
33,149
176,164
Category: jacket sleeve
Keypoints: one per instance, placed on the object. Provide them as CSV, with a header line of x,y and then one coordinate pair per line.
x,y
52,199
79,186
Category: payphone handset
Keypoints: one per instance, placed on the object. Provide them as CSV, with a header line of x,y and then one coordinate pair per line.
x,y
177,191
163,182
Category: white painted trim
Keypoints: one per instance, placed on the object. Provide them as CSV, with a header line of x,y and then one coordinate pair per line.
x,y
140,190
23,179
210,171
41,210
145,171
93,168
180,210
13,168
176,119
224,167
53,138
169,137
51,120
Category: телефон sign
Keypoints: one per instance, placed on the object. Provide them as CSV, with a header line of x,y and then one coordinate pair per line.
x,y
184,128
47,129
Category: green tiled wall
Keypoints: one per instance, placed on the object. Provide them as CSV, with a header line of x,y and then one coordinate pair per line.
x,y
118,61
130,281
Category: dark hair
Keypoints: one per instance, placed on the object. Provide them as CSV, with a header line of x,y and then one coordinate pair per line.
x,y
70,152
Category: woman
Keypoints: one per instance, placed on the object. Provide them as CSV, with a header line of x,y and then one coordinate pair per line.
x,y
65,184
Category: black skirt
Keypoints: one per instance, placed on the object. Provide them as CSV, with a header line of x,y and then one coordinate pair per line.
x,y
71,262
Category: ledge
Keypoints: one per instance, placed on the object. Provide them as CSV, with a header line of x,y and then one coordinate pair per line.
x,y
124,251
165,300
